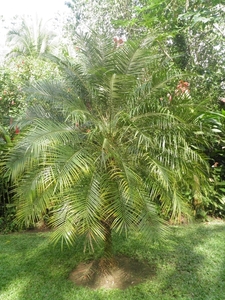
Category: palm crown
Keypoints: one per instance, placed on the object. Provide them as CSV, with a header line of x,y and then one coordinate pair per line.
x,y
108,149
30,39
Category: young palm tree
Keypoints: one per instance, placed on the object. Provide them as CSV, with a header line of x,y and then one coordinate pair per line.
x,y
107,149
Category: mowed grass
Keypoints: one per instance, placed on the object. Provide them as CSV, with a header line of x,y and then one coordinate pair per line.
x,y
189,265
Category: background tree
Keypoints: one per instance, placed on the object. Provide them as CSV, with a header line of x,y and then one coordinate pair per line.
x,y
100,16
190,33
193,34
30,38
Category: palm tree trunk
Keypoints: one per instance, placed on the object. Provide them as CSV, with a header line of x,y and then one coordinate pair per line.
x,y
107,260
108,240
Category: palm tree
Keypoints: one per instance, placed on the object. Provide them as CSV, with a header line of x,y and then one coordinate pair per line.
x,y
29,38
109,151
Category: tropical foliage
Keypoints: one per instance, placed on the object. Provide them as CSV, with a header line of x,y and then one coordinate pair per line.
x,y
114,151
114,124
16,74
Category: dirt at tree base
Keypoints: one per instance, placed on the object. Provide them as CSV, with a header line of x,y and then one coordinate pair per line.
x,y
123,273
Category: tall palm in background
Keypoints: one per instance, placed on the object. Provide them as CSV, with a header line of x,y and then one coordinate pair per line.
x,y
30,38
110,150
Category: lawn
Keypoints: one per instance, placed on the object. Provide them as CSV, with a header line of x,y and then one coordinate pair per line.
x,y
189,265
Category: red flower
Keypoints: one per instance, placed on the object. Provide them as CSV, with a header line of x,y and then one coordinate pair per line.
x,y
17,131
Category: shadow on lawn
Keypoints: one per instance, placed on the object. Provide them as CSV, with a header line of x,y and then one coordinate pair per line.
x,y
36,270
195,269
191,265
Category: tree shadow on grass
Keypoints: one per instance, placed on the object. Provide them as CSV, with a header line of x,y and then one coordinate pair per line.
x,y
190,264
35,269
197,265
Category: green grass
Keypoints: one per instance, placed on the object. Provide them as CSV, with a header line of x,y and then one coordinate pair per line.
x,y
190,265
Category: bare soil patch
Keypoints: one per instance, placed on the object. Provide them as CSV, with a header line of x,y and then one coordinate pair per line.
x,y
121,274
215,221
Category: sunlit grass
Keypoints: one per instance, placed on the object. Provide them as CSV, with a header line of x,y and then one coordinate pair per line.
x,y
189,265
